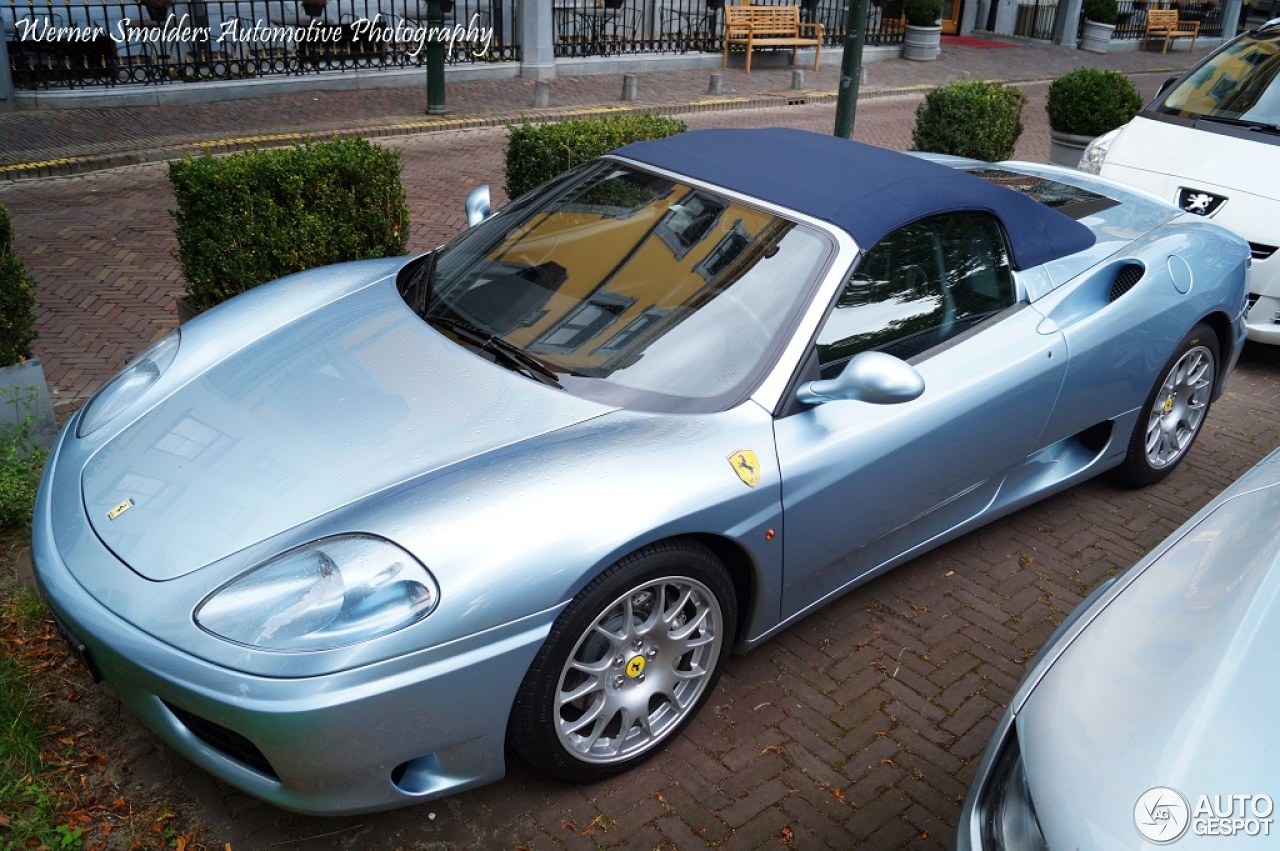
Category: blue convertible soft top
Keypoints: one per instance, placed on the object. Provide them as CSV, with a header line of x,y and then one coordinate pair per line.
x,y
865,190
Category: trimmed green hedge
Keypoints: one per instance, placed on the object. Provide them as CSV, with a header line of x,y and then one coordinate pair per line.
x,y
17,300
922,13
970,118
1101,11
246,219
538,152
1090,102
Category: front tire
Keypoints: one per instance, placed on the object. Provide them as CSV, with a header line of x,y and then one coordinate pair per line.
x,y
1174,411
627,664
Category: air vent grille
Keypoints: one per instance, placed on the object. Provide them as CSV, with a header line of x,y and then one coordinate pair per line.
x,y
225,741
1260,251
1128,275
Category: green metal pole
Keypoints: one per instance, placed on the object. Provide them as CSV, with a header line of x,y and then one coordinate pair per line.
x,y
435,59
855,29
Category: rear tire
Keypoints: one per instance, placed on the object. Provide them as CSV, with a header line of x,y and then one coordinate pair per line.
x,y
1174,411
627,664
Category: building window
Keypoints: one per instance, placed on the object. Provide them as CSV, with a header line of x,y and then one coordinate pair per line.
x,y
586,321
688,222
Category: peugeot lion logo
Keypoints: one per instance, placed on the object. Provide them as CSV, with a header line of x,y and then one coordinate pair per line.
x,y
1199,202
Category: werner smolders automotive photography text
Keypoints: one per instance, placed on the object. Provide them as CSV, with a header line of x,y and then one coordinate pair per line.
x,y
183,29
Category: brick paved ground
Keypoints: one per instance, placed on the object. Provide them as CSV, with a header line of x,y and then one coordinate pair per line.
x,y
858,728
68,141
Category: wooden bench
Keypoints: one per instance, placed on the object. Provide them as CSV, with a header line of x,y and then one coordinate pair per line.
x,y
1164,24
769,26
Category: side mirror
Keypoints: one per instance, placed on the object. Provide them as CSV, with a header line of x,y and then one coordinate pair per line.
x,y
868,377
477,205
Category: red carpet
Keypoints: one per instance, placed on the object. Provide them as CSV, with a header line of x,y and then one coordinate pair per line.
x,y
970,41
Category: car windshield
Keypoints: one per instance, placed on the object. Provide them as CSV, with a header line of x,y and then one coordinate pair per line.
x,y
626,287
1236,85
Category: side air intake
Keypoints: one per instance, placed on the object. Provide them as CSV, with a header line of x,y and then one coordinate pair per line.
x,y
1126,276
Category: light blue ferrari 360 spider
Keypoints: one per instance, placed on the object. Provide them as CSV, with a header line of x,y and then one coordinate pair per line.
x,y
343,538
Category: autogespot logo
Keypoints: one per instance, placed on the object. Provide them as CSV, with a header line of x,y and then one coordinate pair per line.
x,y
1161,815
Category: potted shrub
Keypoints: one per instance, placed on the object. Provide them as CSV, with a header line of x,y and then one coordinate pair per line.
x,y
1086,103
419,10
249,218
26,414
1099,24
923,39
158,10
970,118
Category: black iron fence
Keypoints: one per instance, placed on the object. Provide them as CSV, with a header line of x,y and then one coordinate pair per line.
x,y
588,28
86,43
1131,22
82,43
1036,19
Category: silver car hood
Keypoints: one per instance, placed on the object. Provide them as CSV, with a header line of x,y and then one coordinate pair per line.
x,y
1171,685
318,414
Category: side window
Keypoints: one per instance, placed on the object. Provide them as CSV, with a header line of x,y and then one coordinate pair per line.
x,y
918,287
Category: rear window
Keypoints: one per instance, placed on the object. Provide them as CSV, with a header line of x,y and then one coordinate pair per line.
x,y
1066,199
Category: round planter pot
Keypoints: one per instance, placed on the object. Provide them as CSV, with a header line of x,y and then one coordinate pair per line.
x,y
1096,37
1066,149
186,310
25,402
922,43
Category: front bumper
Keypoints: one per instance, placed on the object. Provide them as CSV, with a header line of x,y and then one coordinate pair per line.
x,y
373,737
1264,319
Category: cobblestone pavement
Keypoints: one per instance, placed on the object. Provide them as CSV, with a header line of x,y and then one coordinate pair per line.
x,y
860,727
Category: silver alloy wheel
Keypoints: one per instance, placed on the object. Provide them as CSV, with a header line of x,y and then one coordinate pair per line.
x,y
1179,407
638,670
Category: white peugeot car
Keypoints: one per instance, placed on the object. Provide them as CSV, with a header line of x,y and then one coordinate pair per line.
x,y
1210,143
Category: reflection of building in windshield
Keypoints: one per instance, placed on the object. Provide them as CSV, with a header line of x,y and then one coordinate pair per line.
x,y
1238,83
599,276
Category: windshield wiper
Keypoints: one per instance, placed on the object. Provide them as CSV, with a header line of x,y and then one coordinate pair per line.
x,y
510,355
1246,123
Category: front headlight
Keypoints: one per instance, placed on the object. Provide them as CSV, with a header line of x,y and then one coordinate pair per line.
x,y
125,389
329,593
1005,808
1096,152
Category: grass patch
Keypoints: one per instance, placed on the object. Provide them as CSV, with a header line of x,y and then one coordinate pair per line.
x,y
30,809
55,790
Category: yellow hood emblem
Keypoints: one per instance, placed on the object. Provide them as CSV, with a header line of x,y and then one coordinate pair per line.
x,y
120,509
746,465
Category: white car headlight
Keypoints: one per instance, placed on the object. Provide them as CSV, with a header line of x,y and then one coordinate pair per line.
x,y
1096,152
329,593
1005,808
129,384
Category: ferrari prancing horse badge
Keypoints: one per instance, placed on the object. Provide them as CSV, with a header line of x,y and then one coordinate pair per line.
x,y
746,465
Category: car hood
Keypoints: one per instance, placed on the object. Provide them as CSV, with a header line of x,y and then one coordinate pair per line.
x,y
1162,156
353,399
1170,685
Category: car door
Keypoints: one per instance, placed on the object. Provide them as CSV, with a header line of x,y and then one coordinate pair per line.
x,y
862,482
